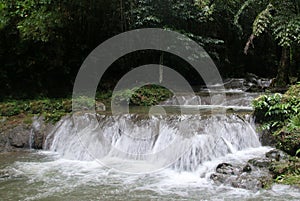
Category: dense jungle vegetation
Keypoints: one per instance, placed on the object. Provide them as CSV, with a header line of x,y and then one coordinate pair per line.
x,y
44,42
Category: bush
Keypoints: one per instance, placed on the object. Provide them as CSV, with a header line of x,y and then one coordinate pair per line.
x,y
280,114
51,109
144,96
287,172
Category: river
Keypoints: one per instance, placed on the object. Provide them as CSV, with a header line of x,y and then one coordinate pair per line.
x,y
133,157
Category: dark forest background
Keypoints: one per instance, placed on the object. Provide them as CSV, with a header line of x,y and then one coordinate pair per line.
x,y
44,42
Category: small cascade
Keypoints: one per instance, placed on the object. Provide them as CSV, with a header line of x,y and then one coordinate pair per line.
x,y
184,100
229,145
182,142
234,98
31,139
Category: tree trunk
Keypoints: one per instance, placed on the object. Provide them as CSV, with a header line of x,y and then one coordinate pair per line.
x,y
282,78
297,62
121,16
294,64
161,61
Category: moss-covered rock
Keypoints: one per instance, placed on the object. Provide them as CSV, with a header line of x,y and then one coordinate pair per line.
x,y
147,95
286,172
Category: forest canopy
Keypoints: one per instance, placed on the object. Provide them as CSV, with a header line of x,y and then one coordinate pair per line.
x,y
44,42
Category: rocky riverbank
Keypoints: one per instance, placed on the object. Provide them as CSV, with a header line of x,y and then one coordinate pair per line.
x,y
257,173
23,132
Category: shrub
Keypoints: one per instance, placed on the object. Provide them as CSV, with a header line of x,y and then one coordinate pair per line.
x,y
144,96
280,114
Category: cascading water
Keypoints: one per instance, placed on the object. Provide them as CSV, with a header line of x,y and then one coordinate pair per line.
x,y
181,141
92,157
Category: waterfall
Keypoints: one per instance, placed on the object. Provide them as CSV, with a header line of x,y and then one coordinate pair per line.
x,y
31,139
181,142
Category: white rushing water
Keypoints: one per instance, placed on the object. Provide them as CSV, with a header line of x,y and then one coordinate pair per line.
x,y
46,176
182,142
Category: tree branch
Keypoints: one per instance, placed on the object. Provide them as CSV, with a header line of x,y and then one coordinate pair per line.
x,y
249,42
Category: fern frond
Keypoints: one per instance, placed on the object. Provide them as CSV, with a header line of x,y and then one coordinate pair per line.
x,y
287,30
245,5
262,21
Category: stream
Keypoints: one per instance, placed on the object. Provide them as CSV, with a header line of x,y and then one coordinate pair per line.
x,y
137,157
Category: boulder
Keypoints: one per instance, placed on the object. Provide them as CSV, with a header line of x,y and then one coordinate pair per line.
x,y
260,162
16,134
226,168
247,168
219,178
99,106
247,181
277,155
19,137
267,138
39,130
251,176
4,174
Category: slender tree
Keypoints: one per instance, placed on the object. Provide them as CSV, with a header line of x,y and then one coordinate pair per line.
x,y
282,19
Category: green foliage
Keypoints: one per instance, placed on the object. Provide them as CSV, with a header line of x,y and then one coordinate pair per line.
x,y
150,95
298,151
43,43
35,20
51,109
294,123
144,96
53,116
39,25
280,16
287,30
270,111
174,15
280,114
84,102
240,12
123,96
287,172
12,108
262,21
3,19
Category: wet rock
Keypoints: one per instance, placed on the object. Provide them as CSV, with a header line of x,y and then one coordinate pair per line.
x,y
276,155
254,88
39,130
3,140
19,137
219,178
260,162
247,168
267,138
225,168
253,175
6,148
99,106
257,84
3,119
17,134
253,180
9,173
247,181
4,174
234,83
